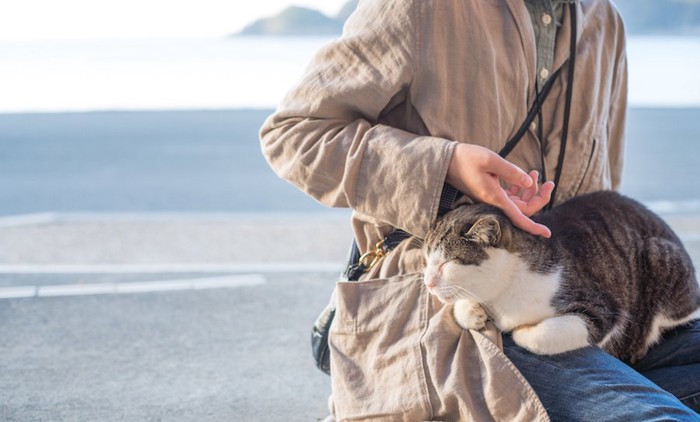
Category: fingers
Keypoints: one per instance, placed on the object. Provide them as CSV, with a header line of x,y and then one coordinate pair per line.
x,y
540,200
523,222
531,200
514,190
507,171
527,194
478,172
521,204
546,191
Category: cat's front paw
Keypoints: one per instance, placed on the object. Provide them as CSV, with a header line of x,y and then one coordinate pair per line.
x,y
553,335
469,315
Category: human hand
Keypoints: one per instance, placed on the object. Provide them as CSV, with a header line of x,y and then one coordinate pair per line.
x,y
477,171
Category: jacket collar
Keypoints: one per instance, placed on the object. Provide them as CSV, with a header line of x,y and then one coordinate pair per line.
x,y
527,36
524,25
561,50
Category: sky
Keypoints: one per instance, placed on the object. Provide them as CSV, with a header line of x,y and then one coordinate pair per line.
x,y
71,19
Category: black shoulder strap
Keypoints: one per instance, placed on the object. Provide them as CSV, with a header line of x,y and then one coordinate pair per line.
x,y
534,110
452,193
512,142
567,106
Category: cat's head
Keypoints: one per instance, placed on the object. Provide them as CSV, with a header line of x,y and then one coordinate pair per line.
x,y
467,252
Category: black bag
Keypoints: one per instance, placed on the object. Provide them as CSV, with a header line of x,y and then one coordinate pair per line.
x,y
319,338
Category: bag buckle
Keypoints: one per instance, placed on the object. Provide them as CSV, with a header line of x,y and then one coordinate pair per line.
x,y
373,255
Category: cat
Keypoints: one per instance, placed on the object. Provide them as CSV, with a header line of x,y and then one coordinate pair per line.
x,y
613,274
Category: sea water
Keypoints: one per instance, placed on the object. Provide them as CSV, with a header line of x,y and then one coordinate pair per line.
x,y
244,72
71,75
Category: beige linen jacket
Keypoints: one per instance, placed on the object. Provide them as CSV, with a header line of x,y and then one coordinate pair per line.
x,y
372,125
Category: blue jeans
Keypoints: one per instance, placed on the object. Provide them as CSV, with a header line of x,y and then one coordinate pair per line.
x,y
590,385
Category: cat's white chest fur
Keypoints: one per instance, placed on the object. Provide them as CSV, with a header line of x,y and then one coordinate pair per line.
x,y
513,296
525,297
503,284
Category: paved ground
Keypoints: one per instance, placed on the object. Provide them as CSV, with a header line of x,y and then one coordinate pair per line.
x,y
170,319
190,352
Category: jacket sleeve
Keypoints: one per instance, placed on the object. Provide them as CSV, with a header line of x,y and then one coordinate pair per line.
x,y
324,138
618,113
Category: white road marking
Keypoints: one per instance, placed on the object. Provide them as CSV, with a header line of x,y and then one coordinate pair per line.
x,y
17,292
273,267
76,289
63,290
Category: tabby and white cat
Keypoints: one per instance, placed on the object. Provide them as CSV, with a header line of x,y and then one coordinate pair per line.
x,y
613,274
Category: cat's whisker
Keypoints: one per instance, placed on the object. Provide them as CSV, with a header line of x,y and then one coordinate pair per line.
x,y
452,293
465,293
417,242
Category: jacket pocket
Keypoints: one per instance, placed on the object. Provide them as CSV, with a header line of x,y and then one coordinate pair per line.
x,y
596,175
377,368
371,305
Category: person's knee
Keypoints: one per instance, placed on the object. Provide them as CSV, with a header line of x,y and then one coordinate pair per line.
x,y
588,384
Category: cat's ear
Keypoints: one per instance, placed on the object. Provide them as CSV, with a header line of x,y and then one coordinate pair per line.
x,y
486,231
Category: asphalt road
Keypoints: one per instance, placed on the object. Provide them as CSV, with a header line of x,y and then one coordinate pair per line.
x,y
173,319
231,354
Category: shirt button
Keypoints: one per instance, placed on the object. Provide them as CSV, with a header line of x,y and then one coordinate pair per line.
x,y
544,73
546,19
533,126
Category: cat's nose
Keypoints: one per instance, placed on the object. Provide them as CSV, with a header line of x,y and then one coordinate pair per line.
x,y
432,275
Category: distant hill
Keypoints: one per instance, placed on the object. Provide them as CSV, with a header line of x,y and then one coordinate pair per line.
x,y
296,20
652,17
656,17
347,10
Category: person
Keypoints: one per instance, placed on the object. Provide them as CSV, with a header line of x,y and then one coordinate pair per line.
x,y
401,115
